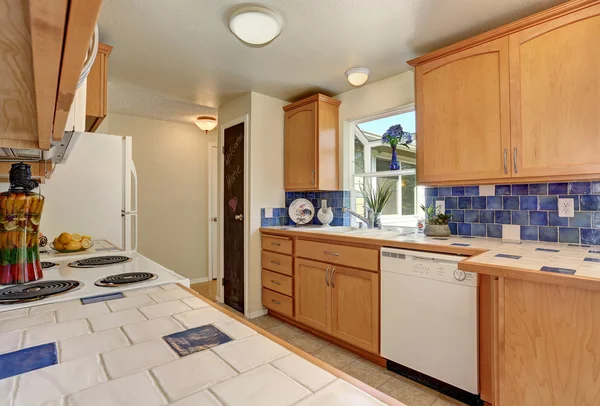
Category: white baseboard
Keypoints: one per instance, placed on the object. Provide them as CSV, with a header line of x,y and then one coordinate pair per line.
x,y
199,280
257,313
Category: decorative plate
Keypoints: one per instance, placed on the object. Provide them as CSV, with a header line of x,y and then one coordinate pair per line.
x,y
301,211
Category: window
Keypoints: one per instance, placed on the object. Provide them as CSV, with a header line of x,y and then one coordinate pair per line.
x,y
372,161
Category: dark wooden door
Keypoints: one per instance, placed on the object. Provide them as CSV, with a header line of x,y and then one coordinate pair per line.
x,y
233,218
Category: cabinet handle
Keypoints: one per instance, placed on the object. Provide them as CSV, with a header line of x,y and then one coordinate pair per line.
x,y
505,166
515,160
276,244
276,301
276,262
275,282
331,278
312,177
326,275
333,254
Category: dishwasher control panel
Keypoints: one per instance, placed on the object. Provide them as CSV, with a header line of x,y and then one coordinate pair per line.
x,y
442,267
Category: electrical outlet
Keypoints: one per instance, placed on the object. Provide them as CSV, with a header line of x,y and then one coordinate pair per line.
x,y
565,207
440,206
268,212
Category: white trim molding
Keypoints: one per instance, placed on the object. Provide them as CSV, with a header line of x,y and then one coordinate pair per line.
x,y
257,313
199,280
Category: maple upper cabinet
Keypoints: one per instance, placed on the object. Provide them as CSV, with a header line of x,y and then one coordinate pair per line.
x,y
97,90
515,104
463,115
555,92
311,144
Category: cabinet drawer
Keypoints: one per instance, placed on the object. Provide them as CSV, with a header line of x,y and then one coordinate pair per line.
x,y
277,282
364,258
283,245
277,262
278,302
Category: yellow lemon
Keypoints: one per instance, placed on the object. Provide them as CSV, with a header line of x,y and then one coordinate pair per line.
x,y
58,245
73,246
65,238
86,243
86,237
76,237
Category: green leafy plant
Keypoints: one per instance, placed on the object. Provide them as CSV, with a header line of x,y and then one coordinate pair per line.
x,y
434,218
377,197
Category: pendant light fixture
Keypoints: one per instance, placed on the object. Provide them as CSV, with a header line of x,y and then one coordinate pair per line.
x,y
358,76
255,25
206,123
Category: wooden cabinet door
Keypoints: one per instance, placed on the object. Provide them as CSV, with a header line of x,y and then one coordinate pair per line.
x,y
355,307
463,122
300,170
555,96
313,294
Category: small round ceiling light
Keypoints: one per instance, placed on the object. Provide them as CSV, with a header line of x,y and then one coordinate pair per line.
x,y
255,25
206,123
358,76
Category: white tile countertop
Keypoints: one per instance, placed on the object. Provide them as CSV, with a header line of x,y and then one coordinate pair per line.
x,y
541,261
117,353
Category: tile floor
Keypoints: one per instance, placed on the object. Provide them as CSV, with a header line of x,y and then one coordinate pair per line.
x,y
396,386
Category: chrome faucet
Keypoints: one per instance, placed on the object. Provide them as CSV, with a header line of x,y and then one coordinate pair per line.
x,y
368,219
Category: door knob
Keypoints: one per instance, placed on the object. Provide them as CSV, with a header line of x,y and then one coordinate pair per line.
x,y
239,217
214,219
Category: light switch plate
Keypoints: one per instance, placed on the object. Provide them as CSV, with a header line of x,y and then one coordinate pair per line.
x,y
566,207
440,206
268,212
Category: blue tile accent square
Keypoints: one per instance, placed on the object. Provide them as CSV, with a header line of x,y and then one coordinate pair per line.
x,y
429,201
287,221
582,219
271,222
596,219
478,230
464,202
472,216
590,202
458,216
494,202
479,202
486,216
566,234
520,217
549,234
508,256
431,191
557,270
289,195
502,216
453,228
538,218
471,190
459,244
494,230
451,202
538,189
102,298
262,213
502,190
28,359
546,250
510,202
458,191
444,191
594,252
346,221
590,236
555,220
529,233
548,203
196,339
264,222
561,188
580,188
589,259
529,202
520,190
464,228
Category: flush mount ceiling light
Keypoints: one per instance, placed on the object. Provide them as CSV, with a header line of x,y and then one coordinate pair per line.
x,y
255,25
206,123
358,76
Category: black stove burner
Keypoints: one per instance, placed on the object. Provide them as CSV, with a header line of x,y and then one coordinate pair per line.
x,y
125,279
48,264
96,262
29,292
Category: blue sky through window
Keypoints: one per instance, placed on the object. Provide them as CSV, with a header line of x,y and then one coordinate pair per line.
x,y
407,120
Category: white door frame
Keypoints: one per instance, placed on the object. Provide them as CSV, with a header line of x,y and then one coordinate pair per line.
x,y
212,239
246,120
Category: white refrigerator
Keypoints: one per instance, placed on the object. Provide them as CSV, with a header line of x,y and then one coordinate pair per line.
x,y
95,192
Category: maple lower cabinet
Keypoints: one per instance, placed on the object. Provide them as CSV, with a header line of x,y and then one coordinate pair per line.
x,y
463,115
313,294
311,144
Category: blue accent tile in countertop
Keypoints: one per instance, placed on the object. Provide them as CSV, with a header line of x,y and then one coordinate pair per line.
x,y
28,359
196,339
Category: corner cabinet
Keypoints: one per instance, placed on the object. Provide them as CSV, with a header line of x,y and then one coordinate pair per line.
x,y
515,104
97,90
311,144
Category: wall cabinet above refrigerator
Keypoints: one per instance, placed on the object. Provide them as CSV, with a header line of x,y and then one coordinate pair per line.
x,y
97,90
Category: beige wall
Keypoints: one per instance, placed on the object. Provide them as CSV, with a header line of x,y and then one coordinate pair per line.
x,y
171,162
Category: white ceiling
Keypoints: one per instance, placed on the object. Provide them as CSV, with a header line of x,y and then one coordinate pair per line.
x,y
183,49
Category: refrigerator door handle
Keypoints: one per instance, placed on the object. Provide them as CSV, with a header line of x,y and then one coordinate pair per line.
x,y
134,188
134,233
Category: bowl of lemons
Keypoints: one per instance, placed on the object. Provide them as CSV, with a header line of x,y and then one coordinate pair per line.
x,y
67,242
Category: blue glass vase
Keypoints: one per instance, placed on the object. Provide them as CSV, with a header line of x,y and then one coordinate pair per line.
x,y
394,165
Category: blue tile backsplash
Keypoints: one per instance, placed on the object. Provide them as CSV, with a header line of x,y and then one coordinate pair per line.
x,y
533,207
335,200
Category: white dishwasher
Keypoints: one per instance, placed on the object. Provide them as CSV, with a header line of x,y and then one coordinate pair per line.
x,y
429,316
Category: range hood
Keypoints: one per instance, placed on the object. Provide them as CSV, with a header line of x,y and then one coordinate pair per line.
x,y
59,151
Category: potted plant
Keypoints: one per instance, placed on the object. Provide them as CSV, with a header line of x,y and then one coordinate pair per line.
x,y
376,197
395,135
436,224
